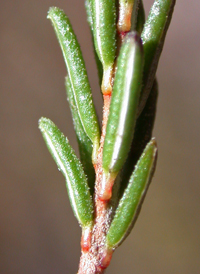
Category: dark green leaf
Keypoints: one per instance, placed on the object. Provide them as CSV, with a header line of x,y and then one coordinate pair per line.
x,y
77,74
130,204
72,170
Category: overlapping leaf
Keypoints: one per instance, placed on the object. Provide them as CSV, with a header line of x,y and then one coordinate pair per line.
x,y
72,170
77,75
131,201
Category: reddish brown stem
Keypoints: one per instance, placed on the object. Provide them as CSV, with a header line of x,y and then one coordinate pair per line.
x,y
97,258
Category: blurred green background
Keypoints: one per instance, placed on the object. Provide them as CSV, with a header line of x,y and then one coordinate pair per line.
x,y
38,232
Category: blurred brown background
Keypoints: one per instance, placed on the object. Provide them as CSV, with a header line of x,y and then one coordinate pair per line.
x,y
38,232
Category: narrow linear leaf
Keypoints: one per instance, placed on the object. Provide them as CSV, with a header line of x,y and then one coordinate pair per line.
x,y
124,102
88,6
104,31
123,111
142,135
77,74
72,170
130,204
84,143
153,37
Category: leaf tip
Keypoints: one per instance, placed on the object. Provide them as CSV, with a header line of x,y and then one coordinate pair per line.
x,y
50,11
41,122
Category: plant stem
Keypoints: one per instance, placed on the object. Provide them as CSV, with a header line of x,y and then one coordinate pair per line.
x,y
96,260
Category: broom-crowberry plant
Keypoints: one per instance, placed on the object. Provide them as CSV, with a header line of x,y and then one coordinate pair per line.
x,y
107,186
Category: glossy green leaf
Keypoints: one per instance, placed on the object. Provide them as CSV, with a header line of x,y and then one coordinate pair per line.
x,y
77,74
124,102
153,37
88,6
142,135
72,170
130,204
104,31
84,143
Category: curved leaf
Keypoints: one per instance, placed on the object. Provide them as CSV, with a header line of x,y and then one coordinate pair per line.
x,y
77,74
130,204
72,170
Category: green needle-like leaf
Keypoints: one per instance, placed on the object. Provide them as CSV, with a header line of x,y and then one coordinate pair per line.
x,y
104,31
124,102
84,143
72,170
77,74
153,37
130,204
